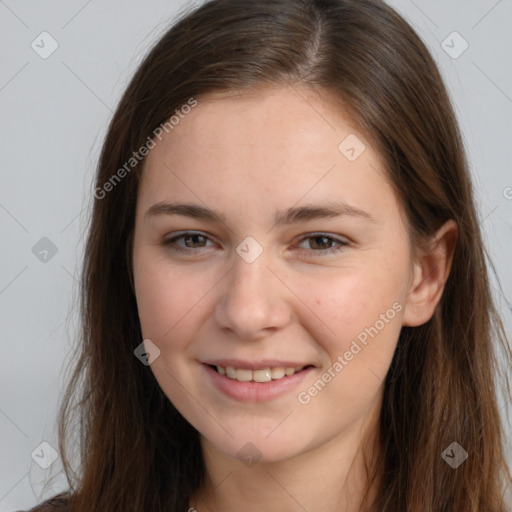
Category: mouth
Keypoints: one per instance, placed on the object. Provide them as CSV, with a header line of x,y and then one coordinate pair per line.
x,y
257,382
271,373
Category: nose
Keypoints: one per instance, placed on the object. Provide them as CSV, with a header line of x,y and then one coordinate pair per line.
x,y
254,300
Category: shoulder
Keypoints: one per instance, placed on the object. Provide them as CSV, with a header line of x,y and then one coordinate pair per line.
x,y
58,503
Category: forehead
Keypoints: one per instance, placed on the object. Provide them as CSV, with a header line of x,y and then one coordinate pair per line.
x,y
256,124
272,146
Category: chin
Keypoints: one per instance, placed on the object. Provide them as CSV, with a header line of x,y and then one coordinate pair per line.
x,y
258,447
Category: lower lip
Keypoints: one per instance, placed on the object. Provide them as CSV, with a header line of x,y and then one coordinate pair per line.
x,y
256,391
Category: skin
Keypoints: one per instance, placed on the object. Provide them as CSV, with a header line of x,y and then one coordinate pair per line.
x,y
247,157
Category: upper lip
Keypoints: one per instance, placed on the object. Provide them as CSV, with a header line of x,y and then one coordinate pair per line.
x,y
256,365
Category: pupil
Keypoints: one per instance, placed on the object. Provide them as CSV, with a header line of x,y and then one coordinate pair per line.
x,y
194,238
317,238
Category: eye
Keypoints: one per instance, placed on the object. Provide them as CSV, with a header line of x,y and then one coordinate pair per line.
x,y
320,243
190,241
323,243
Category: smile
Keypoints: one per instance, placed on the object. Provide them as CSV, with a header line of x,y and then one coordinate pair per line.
x,y
263,375
264,381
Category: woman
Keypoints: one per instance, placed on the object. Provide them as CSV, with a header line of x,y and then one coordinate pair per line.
x,y
285,296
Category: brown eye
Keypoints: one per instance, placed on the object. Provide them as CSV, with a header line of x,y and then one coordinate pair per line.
x,y
194,241
323,244
188,242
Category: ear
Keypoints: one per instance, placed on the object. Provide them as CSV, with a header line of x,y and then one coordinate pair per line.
x,y
430,273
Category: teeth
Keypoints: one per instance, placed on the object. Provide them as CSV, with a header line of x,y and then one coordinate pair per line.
x,y
264,375
243,375
261,375
277,373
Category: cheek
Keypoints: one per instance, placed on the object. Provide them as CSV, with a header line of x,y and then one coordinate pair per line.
x,y
362,306
166,297
168,300
366,320
353,300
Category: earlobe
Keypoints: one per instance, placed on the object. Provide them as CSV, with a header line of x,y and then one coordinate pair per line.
x,y
430,273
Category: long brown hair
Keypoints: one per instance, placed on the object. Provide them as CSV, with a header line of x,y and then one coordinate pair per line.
x,y
137,453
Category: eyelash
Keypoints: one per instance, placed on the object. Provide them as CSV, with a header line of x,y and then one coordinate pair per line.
x,y
170,243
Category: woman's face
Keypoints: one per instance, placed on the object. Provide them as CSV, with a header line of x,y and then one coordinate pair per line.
x,y
267,238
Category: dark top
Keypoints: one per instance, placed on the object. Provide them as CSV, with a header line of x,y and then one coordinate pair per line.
x,y
56,504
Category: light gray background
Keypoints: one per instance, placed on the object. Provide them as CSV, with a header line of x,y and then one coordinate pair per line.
x,y
54,115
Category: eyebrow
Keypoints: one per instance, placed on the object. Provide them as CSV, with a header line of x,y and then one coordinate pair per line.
x,y
286,217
